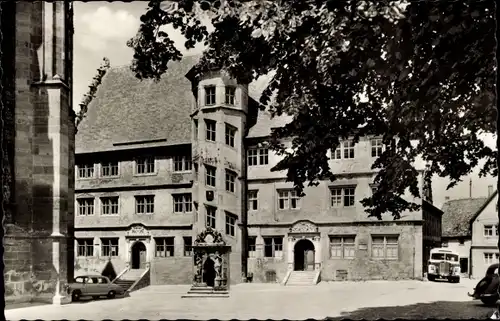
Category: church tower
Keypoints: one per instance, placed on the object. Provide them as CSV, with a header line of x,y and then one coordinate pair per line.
x,y
219,185
38,145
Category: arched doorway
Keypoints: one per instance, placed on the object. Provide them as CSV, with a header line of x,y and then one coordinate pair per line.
x,y
303,256
138,257
209,272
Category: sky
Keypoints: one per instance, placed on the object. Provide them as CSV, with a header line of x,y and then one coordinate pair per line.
x,y
102,30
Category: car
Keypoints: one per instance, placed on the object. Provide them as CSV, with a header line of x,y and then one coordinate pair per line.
x,y
443,264
487,289
94,286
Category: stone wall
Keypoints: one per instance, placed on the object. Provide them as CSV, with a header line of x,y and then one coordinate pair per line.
x,y
172,270
36,231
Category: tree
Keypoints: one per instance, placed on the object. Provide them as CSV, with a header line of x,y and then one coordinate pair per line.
x,y
426,68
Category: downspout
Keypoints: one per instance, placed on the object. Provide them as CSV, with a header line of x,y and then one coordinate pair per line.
x,y
274,202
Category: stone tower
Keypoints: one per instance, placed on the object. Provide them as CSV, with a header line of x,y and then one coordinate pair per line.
x,y
38,145
219,185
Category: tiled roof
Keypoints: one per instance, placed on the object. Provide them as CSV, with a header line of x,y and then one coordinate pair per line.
x,y
457,215
126,109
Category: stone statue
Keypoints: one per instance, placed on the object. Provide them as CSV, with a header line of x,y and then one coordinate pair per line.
x,y
218,266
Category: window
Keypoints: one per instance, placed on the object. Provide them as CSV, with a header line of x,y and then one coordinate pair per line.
x,y
385,247
230,224
182,164
109,205
109,246
258,156
209,95
195,121
210,130
251,246
230,93
145,165
211,216
188,246
85,206
85,247
461,242
377,147
210,176
342,196
102,281
86,170
489,230
374,189
273,246
145,204
490,258
164,246
109,169
230,181
344,150
230,133
342,246
288,199
253,202
183,203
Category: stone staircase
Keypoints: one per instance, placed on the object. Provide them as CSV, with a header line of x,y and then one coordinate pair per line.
x,y
129,278
298,278
206,292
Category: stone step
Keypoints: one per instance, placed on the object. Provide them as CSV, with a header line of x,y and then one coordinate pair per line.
x,y
206,295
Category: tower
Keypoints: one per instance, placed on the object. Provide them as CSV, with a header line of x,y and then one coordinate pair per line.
x,y
36,98
219,185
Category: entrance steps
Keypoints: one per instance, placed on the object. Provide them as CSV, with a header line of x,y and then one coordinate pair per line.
x,y
129,278
300,278
206,292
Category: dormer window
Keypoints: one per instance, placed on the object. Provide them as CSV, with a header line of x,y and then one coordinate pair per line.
x,y
209,95
230,93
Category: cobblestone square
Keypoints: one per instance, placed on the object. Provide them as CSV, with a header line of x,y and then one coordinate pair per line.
x,y
263,301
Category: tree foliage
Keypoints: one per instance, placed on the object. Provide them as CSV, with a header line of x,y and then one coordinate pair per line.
x,y
426,69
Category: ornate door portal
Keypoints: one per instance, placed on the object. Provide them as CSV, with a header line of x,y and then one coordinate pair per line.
x,y
304,247
211,260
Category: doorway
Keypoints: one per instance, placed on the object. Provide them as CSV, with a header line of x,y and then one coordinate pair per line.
x,y
138,257
209,272
303,256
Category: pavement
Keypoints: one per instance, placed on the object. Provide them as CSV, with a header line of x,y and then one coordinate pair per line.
x,y
355,300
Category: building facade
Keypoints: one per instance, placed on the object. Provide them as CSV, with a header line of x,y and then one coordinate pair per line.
x,y
38,143
457,235
159,163
484,245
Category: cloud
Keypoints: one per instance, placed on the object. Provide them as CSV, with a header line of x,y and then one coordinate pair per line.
x,y
97,30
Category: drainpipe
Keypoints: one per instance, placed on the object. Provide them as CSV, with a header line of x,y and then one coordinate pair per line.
x,y
274,202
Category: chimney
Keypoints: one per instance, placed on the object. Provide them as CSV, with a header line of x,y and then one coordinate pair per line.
x,y
446,198
490,190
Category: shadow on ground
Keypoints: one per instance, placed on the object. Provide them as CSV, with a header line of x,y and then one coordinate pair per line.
x,y
422,311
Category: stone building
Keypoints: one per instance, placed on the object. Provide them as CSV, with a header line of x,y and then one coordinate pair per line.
x,y
38,144
484,231
157,163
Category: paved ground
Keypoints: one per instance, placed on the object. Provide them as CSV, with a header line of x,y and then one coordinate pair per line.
x,y
355,300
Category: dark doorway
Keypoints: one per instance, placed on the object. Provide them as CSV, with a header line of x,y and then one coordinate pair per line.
x,y
464,265
209,272
138,260
303,256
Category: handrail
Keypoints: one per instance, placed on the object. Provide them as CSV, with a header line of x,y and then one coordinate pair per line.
x,y
287,276
121,274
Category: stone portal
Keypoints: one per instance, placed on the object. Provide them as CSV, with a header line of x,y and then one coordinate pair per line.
x,y
304,247
304,255
211,264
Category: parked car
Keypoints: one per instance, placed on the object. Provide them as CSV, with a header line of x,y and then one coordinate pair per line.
x,y
443,264
94,286
487,289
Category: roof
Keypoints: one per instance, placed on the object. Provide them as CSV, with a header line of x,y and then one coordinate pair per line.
x,y
457,215
127,109
480,210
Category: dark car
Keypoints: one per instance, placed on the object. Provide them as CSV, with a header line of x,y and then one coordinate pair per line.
x,y
487,289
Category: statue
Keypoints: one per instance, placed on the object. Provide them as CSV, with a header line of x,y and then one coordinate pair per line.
x,y
218,267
